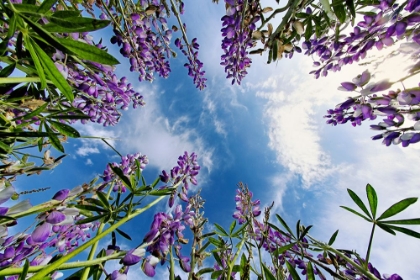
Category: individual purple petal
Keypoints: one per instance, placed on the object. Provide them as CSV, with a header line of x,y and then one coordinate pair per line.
x,y
184,263
150,235
130,259
380,86
61,195
415,138
148,266
362,79
347,86
400,28
41,232
55,217
116,275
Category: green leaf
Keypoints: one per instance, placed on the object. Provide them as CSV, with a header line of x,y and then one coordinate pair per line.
x,y
217,258
308,30
232,226
5,147
216,274
88,52
47,36
65,129
65,14
386,228
237,232
25,270
285,225
37,63
74,24
275,50
46,6
292,271
304,232
359,202
310,271
68,117
123,234
10,33
332,239
267,273
103,199
357,213
215,242
283,249
373,199
91,219
53,74
339,10
34,113
397,208
406,231
90,208
302,15
403,222
155,182
204,271
121,175
222,231
54,141
8,70
270,56
350,7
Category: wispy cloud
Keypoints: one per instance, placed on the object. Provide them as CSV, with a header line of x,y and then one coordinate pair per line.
x,y
149,131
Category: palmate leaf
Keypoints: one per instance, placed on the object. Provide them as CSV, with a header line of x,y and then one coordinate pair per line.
x,y
397,208
373,199
359,202
232,227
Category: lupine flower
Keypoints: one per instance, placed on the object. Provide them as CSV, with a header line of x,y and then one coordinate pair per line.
x,y
149,265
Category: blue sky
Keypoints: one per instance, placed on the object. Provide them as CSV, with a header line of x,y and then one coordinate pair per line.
x,y
268,133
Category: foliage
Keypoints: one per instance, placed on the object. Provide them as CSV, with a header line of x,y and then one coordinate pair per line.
x,y
54,74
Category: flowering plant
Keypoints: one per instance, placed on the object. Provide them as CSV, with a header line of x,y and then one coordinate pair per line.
x,y
55,74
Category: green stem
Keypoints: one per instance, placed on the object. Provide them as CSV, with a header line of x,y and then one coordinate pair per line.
x,y
284,21
369,246
172,266
232,262
18,80
92,252
54,266
72,265
362,269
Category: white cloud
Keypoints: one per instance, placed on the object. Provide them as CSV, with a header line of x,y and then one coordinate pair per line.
x,y
147,130
89,162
